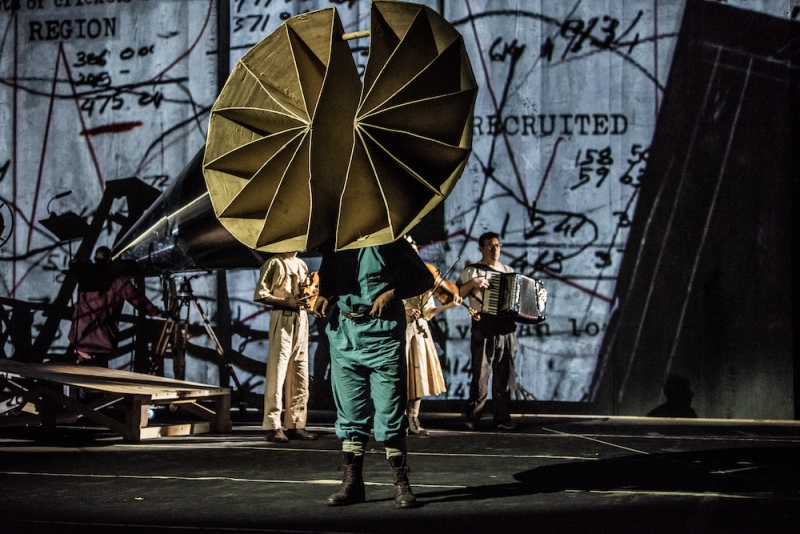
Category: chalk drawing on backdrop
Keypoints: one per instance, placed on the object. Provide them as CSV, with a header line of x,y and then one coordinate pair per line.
x,y
90,94
561,132
251,21
566,109
569,95
555,167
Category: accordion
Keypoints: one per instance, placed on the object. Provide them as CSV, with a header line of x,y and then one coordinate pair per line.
x,y
514,296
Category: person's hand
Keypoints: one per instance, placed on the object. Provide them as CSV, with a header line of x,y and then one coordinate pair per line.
x,y
413,313
457,300
320,306
381,302
542,296
294,302
480,283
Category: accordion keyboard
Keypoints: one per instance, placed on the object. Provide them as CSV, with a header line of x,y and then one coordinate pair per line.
x,y
514,295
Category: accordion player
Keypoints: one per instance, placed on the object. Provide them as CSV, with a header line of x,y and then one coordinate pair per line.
x,y
515,296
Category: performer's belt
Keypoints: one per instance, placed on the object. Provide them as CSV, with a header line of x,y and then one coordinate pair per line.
x,y
286,309
358,318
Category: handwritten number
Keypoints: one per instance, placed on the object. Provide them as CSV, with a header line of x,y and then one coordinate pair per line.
x,y
568,226
589,157
509,49
257,18
88,106
94,80
154,99
538,224
640,158
597,33
610,30
605,259
103,107
85,59
633,43
583,178
605,157
571,29
554,265
520,264
602,172
603,160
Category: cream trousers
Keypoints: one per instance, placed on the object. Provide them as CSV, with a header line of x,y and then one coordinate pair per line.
x,y
287,370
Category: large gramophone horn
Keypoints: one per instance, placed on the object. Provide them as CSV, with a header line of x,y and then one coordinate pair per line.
x,y
413,127
300,153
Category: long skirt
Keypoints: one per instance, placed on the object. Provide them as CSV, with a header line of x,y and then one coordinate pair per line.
x,y
425,376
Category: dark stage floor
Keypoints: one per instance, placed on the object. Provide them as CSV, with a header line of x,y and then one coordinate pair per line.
x,y
553,474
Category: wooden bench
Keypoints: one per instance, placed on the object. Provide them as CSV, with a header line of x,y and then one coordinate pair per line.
x,y
38,390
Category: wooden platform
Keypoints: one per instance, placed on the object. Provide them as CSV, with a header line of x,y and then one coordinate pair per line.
x,y
38,390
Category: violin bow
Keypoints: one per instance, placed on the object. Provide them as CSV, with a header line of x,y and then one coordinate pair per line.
x,y
450,268
441,279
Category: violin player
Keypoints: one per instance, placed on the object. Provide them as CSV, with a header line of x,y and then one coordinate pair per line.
x,y
281,284
425,377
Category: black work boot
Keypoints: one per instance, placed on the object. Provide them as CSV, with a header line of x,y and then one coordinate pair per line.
x,y
403,498
352,489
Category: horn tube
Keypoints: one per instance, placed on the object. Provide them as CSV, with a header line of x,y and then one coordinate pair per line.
x,y
180,232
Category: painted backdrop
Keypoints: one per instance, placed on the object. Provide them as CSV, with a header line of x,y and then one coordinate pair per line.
x,y
92,92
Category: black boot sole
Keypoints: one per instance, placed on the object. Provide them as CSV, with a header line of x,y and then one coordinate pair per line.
x,y
345,503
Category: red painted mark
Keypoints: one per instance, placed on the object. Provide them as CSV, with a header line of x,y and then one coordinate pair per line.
x,y
113,128
252,316
578,286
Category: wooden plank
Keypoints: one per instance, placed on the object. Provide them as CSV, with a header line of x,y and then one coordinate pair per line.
x,y
219,416
222,424
199,410
80,409
151,432
136,390
133,416
105,379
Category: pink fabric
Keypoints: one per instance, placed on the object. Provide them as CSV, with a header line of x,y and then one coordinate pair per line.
x,y
95,321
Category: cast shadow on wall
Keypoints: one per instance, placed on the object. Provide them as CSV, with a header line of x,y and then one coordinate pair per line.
x,y
705,286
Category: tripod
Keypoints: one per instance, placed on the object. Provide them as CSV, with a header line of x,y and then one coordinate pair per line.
x,y
174,334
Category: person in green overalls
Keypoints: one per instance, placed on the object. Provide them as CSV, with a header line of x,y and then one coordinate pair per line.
x,y
368,344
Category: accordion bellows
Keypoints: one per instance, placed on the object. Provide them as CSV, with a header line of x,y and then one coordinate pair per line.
x,y
299,152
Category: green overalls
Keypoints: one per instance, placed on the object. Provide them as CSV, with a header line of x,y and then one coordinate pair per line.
x,y
368,354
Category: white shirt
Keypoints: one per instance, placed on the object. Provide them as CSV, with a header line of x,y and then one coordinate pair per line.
x,y
475,271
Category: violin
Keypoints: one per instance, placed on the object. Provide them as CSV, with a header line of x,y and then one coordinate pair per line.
x,y
445,291
311,291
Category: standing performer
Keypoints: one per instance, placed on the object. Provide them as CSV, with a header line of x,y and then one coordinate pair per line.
x,y
494,340
368,362
425,377
102,293
280,284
